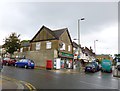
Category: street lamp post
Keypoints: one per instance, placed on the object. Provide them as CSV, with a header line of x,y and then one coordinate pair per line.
x,y
95,45
79,38
79,34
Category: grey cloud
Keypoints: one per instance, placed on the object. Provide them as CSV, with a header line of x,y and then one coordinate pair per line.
x,y
27,17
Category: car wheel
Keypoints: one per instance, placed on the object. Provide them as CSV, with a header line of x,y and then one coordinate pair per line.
x,y
15,65
111,71
93,70
32,67
102,70
25,66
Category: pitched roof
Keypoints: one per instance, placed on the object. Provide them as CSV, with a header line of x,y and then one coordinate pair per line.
x,y
59,32
25,43
76,45
55,33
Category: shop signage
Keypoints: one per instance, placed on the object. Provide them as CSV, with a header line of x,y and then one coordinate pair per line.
x,y
65,54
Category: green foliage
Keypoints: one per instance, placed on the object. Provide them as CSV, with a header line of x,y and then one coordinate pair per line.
x,y
25,41
12,43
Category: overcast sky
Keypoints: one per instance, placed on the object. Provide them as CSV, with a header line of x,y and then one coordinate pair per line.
x,y
101,21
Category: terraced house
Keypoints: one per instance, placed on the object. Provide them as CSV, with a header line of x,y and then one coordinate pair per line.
x,y
49,44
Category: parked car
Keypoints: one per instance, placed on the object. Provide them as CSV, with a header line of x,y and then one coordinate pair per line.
x,y
8,61
92,67
106,66
26,63
4,61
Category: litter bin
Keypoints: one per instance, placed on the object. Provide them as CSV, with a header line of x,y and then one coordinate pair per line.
x,y
49,64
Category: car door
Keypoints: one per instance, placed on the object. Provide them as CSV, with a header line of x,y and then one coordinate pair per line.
x,y
25,62
19,63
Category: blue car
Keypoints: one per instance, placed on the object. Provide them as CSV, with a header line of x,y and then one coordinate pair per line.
x,y
92,67
26,63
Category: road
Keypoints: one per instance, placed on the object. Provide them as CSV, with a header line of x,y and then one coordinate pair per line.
x,y
44,79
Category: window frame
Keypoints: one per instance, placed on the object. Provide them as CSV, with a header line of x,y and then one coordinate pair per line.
x,y
48,44
69,48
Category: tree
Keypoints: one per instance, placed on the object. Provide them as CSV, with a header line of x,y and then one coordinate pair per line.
x,y
12,43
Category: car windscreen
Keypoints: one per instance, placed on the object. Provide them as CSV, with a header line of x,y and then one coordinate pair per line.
x,y
32,61
6,59
107,63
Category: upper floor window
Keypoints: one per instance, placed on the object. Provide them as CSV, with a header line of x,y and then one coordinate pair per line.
x,y
38,45
48,45
69,48
63,46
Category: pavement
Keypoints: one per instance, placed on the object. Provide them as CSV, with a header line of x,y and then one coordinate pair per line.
x,y
8,83
66,71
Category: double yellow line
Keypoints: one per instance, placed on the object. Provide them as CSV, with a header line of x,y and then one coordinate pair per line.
x,y
28,85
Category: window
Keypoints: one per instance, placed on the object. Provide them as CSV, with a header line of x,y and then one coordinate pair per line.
x,y
69,48
48,45
38,46
63,46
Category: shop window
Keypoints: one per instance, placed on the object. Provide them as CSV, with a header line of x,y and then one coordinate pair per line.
x,y
69,48
38,46
48,45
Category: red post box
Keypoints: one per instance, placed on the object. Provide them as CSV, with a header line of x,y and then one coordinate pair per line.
x,y
49,64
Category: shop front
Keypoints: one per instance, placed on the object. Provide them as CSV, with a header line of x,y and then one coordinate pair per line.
x,y
66,60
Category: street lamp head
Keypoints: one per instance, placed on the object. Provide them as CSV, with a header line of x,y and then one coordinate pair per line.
x,y
82,19
75,39
95,40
